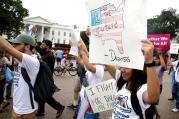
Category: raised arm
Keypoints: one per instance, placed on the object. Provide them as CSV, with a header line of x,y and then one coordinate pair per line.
x,y
112,70
153,87
6,46
85,59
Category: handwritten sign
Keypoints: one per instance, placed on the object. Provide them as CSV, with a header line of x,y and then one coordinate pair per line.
x,y
160,41
117,27
174,48
101,96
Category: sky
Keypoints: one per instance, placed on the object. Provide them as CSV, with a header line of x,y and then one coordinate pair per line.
x,y
70,12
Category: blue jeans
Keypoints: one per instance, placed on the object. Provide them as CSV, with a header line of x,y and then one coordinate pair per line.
x,y
175,93
173,78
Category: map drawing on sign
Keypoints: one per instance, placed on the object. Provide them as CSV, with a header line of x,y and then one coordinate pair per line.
x,y
108,24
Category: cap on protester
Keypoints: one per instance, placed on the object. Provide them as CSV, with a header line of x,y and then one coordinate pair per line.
x,y
24,38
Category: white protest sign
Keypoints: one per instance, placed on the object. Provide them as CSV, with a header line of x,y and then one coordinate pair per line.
x,y
75,37
101,96
174,48
117,27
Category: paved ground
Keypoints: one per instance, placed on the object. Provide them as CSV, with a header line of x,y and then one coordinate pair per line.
x,y
65,96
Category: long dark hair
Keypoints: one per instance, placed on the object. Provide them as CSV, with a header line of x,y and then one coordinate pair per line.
x,y
138,78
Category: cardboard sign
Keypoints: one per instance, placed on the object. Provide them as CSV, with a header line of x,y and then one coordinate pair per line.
x,y
174,48
160,41
117,27
101,96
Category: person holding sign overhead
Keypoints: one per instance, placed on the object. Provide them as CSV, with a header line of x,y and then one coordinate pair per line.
x,y
132,82
93,75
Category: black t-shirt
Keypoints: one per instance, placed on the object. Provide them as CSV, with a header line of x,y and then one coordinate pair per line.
x,y
49,58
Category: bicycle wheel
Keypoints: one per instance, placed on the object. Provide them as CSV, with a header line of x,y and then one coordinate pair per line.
x,y
72,71
57,71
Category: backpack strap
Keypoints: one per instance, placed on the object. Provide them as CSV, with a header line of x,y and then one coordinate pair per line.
x,y
28,81
136,106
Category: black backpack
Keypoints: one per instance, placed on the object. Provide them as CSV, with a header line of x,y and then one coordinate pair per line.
x,y
149,113
44,86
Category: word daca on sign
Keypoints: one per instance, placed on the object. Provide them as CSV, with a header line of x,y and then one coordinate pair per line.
x,y
116,58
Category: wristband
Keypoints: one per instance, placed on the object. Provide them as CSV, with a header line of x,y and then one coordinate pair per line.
x,y
150,64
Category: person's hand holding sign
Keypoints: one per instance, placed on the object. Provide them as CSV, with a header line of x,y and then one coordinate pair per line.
x,y
147,49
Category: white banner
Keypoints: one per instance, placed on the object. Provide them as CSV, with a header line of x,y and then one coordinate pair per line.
x,y
117,28
101,96
174,48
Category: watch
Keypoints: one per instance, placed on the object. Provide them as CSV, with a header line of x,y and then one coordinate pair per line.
x,y
150,64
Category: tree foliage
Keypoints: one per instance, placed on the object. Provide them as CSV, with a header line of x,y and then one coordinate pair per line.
x,y
166,23
11,17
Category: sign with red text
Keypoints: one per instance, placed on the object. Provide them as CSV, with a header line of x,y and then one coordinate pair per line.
x,y
101,96
160,41
117,27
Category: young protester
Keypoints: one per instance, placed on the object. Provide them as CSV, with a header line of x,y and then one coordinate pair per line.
x,y
22,52
131,82
175,90
48,56
84,40
94,74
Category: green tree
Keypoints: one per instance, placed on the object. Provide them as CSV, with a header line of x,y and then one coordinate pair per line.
x,y
11,17
166,22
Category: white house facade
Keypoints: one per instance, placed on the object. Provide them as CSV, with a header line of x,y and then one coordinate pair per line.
x,y
49,30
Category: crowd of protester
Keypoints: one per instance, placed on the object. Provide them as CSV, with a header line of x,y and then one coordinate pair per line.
x,y
23,52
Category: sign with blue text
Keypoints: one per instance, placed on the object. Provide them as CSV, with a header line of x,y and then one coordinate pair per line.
x,y
101,96
117,27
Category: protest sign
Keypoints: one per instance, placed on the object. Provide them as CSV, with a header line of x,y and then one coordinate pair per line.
x,y
117,27
174,48
75,37
101,96
160,41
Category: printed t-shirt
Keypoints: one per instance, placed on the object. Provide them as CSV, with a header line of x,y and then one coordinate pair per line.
x,y
21,97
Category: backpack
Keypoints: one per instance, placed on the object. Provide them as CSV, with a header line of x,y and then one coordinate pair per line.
x,y
149,113
44,86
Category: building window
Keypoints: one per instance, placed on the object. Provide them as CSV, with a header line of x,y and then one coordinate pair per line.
x,y
69,34
53,32
64,41
58,33
58,40
64,33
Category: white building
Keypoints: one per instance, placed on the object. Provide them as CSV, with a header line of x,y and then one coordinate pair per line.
x,y
49,30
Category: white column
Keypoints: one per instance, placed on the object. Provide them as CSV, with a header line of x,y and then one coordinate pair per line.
x,y
42,33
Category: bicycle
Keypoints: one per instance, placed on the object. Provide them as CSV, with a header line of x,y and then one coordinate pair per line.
x,y
59,70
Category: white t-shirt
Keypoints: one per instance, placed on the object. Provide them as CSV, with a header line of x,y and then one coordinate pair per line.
x,y
21,97
122,105
94,78
176,70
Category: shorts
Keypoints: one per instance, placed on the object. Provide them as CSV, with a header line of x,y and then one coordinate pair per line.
x,y
23,116
59,59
